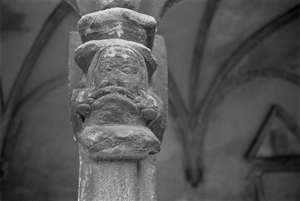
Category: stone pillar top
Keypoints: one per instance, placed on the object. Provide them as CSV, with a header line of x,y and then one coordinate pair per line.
x,y
130,4
118,23
84,53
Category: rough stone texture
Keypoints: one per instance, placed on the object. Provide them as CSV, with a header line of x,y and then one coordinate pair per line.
x,y
147,179
130,4
85,53
158,84
107,180
118,118
118,142
118,23
116,90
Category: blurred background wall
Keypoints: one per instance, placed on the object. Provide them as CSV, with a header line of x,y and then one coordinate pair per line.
x,y
234,100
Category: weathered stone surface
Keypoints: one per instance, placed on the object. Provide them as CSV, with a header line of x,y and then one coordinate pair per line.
x,y
107,180
116,94
158,84
118,23
116,113
136,143
130,4
146,179
85,53
118,142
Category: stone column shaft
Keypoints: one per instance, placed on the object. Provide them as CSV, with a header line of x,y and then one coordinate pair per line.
x,y
107,180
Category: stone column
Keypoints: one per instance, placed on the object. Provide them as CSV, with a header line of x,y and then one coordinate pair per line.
x,y
118,116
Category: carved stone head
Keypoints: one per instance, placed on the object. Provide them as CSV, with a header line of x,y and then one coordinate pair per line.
x,y
119,68
117,77
116,105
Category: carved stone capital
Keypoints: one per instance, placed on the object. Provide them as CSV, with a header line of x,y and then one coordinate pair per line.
x,y
118,23
115,112
85,53
118,142
119,99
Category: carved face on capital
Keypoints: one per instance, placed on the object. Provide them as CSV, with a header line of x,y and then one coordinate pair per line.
x,y
119,67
